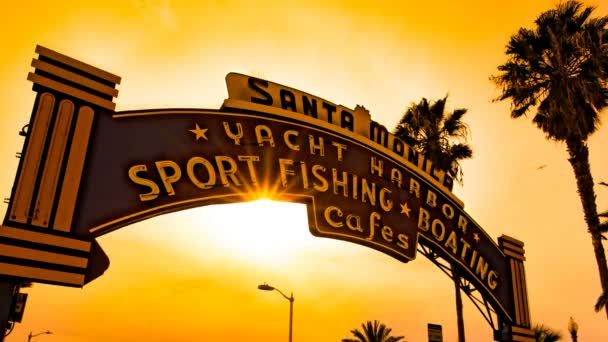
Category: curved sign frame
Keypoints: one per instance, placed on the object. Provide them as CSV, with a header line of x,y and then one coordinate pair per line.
x,y
87,170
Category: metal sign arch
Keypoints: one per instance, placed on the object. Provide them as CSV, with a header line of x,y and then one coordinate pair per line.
x,y
87,170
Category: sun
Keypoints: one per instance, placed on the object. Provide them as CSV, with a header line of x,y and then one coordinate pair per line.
x,y
263,232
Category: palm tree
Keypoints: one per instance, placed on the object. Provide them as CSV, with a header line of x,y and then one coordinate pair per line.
x,y
545,334
376,332
559,69
428,129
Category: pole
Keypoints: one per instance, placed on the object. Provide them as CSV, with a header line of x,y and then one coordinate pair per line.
x,y
266,287
291,299
459,315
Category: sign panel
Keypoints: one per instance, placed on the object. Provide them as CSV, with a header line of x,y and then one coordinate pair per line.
x,y
245,91
435,332
88,170
355,190
171,160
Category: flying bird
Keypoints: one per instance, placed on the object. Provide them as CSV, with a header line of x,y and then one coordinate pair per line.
x,y
541,167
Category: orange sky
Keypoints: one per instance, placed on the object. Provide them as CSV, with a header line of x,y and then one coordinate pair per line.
x,y
192,276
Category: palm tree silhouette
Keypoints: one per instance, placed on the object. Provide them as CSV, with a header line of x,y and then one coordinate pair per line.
x,y
429,129
545,334
376,332
437,135
559,69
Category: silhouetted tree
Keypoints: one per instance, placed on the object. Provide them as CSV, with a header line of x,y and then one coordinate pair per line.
x,y
439,136
436,134
545,334
376,332
559,69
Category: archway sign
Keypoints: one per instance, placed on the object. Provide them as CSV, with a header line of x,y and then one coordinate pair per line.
x,y
86,170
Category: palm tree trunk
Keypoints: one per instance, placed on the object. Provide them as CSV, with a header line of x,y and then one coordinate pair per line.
x,y
579,159
459,316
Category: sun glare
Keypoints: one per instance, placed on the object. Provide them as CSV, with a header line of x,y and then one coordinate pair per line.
x,y
263,232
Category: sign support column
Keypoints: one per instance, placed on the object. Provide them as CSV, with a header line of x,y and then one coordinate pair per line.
x,y
520,330
38,243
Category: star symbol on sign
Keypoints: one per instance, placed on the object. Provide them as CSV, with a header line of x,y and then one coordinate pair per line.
x,y
476,237
200,132
405,210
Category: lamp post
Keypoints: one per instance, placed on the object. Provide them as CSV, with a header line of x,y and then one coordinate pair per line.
x,y
573,329
266,287
30,336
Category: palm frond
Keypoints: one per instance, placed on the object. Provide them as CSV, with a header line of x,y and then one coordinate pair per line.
x,y
373,332
603,228
543,333
459,152
453,125
601,302
437,110
361,336
559,69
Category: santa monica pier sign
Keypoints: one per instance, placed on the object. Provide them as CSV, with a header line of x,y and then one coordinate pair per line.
x,y
87,170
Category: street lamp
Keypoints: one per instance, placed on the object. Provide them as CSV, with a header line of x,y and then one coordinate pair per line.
x,y
266,287
30,336
573,329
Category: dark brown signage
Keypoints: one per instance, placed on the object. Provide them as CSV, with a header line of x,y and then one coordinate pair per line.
x,y
355,190
435,332
247,92
87,170
191,158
